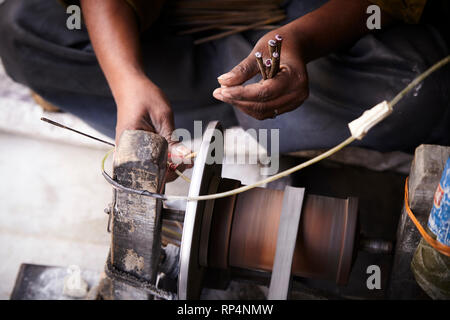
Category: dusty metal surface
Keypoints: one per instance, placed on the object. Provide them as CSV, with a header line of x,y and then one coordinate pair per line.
x,y
37,282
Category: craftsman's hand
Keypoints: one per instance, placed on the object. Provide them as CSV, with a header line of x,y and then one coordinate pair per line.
x,y
114,31
309,37
268,98
141,105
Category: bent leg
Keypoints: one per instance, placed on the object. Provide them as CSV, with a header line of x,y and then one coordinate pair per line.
x,y
59,64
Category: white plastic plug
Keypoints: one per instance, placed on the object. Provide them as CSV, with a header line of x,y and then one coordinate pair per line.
x,y
361,126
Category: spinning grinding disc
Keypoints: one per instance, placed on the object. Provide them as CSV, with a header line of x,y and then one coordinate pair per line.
x,y
204,175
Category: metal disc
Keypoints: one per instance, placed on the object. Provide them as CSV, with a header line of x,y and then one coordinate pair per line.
x,y
191,273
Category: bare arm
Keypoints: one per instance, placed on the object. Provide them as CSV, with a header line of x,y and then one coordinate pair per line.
x,y
336,24
114,32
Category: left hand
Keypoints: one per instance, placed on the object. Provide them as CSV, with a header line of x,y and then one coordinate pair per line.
x,y
268,98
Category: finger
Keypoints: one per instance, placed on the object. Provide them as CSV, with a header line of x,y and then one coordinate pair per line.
x,y
244,71
268,113
264,91
178,154
166,129
163,121
266,110
146,125
171,175
131,125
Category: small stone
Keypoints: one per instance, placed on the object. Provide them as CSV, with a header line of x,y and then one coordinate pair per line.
x,y
74,285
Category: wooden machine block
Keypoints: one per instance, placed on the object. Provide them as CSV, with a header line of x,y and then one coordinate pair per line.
x,y
139,163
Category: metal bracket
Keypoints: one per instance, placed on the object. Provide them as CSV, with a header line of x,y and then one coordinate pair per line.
x,y
110,210
287,236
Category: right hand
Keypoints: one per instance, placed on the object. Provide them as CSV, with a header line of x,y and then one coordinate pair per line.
x,y
141,105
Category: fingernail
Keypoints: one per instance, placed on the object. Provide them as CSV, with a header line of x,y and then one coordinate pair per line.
x,y
217,94
219,97
225,76
226,93
182,150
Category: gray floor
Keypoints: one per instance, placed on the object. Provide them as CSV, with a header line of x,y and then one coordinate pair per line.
x,y
51,210
48,212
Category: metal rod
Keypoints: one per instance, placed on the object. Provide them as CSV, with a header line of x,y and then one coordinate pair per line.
x,y
268,64
261,66
275,65
272,45
76,131
279,41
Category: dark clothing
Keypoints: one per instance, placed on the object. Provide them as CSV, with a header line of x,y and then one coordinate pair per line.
x,y
39,51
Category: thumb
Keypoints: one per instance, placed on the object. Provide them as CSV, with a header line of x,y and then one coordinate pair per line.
x,y
166,129
244,71
163,123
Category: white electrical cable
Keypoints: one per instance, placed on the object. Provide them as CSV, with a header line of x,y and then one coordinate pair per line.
x,y
418,80
320,157
267,180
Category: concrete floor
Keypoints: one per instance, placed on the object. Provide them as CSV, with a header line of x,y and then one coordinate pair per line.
x,y
48,212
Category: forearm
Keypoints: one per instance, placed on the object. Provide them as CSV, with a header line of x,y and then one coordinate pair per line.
x,y
114,32
336,24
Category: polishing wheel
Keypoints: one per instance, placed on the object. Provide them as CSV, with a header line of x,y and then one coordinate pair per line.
x,y
241,231
203,180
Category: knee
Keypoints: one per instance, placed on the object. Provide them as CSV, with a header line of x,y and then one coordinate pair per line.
x,y
13,14
8,20
13,36
34,40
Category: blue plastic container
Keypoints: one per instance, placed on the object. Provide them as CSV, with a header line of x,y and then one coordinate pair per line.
x,y
439,219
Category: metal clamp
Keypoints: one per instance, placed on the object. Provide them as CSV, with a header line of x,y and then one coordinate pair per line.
x,y
287,236
110,211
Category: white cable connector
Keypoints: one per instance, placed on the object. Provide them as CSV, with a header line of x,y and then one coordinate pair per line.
x,y
361,126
